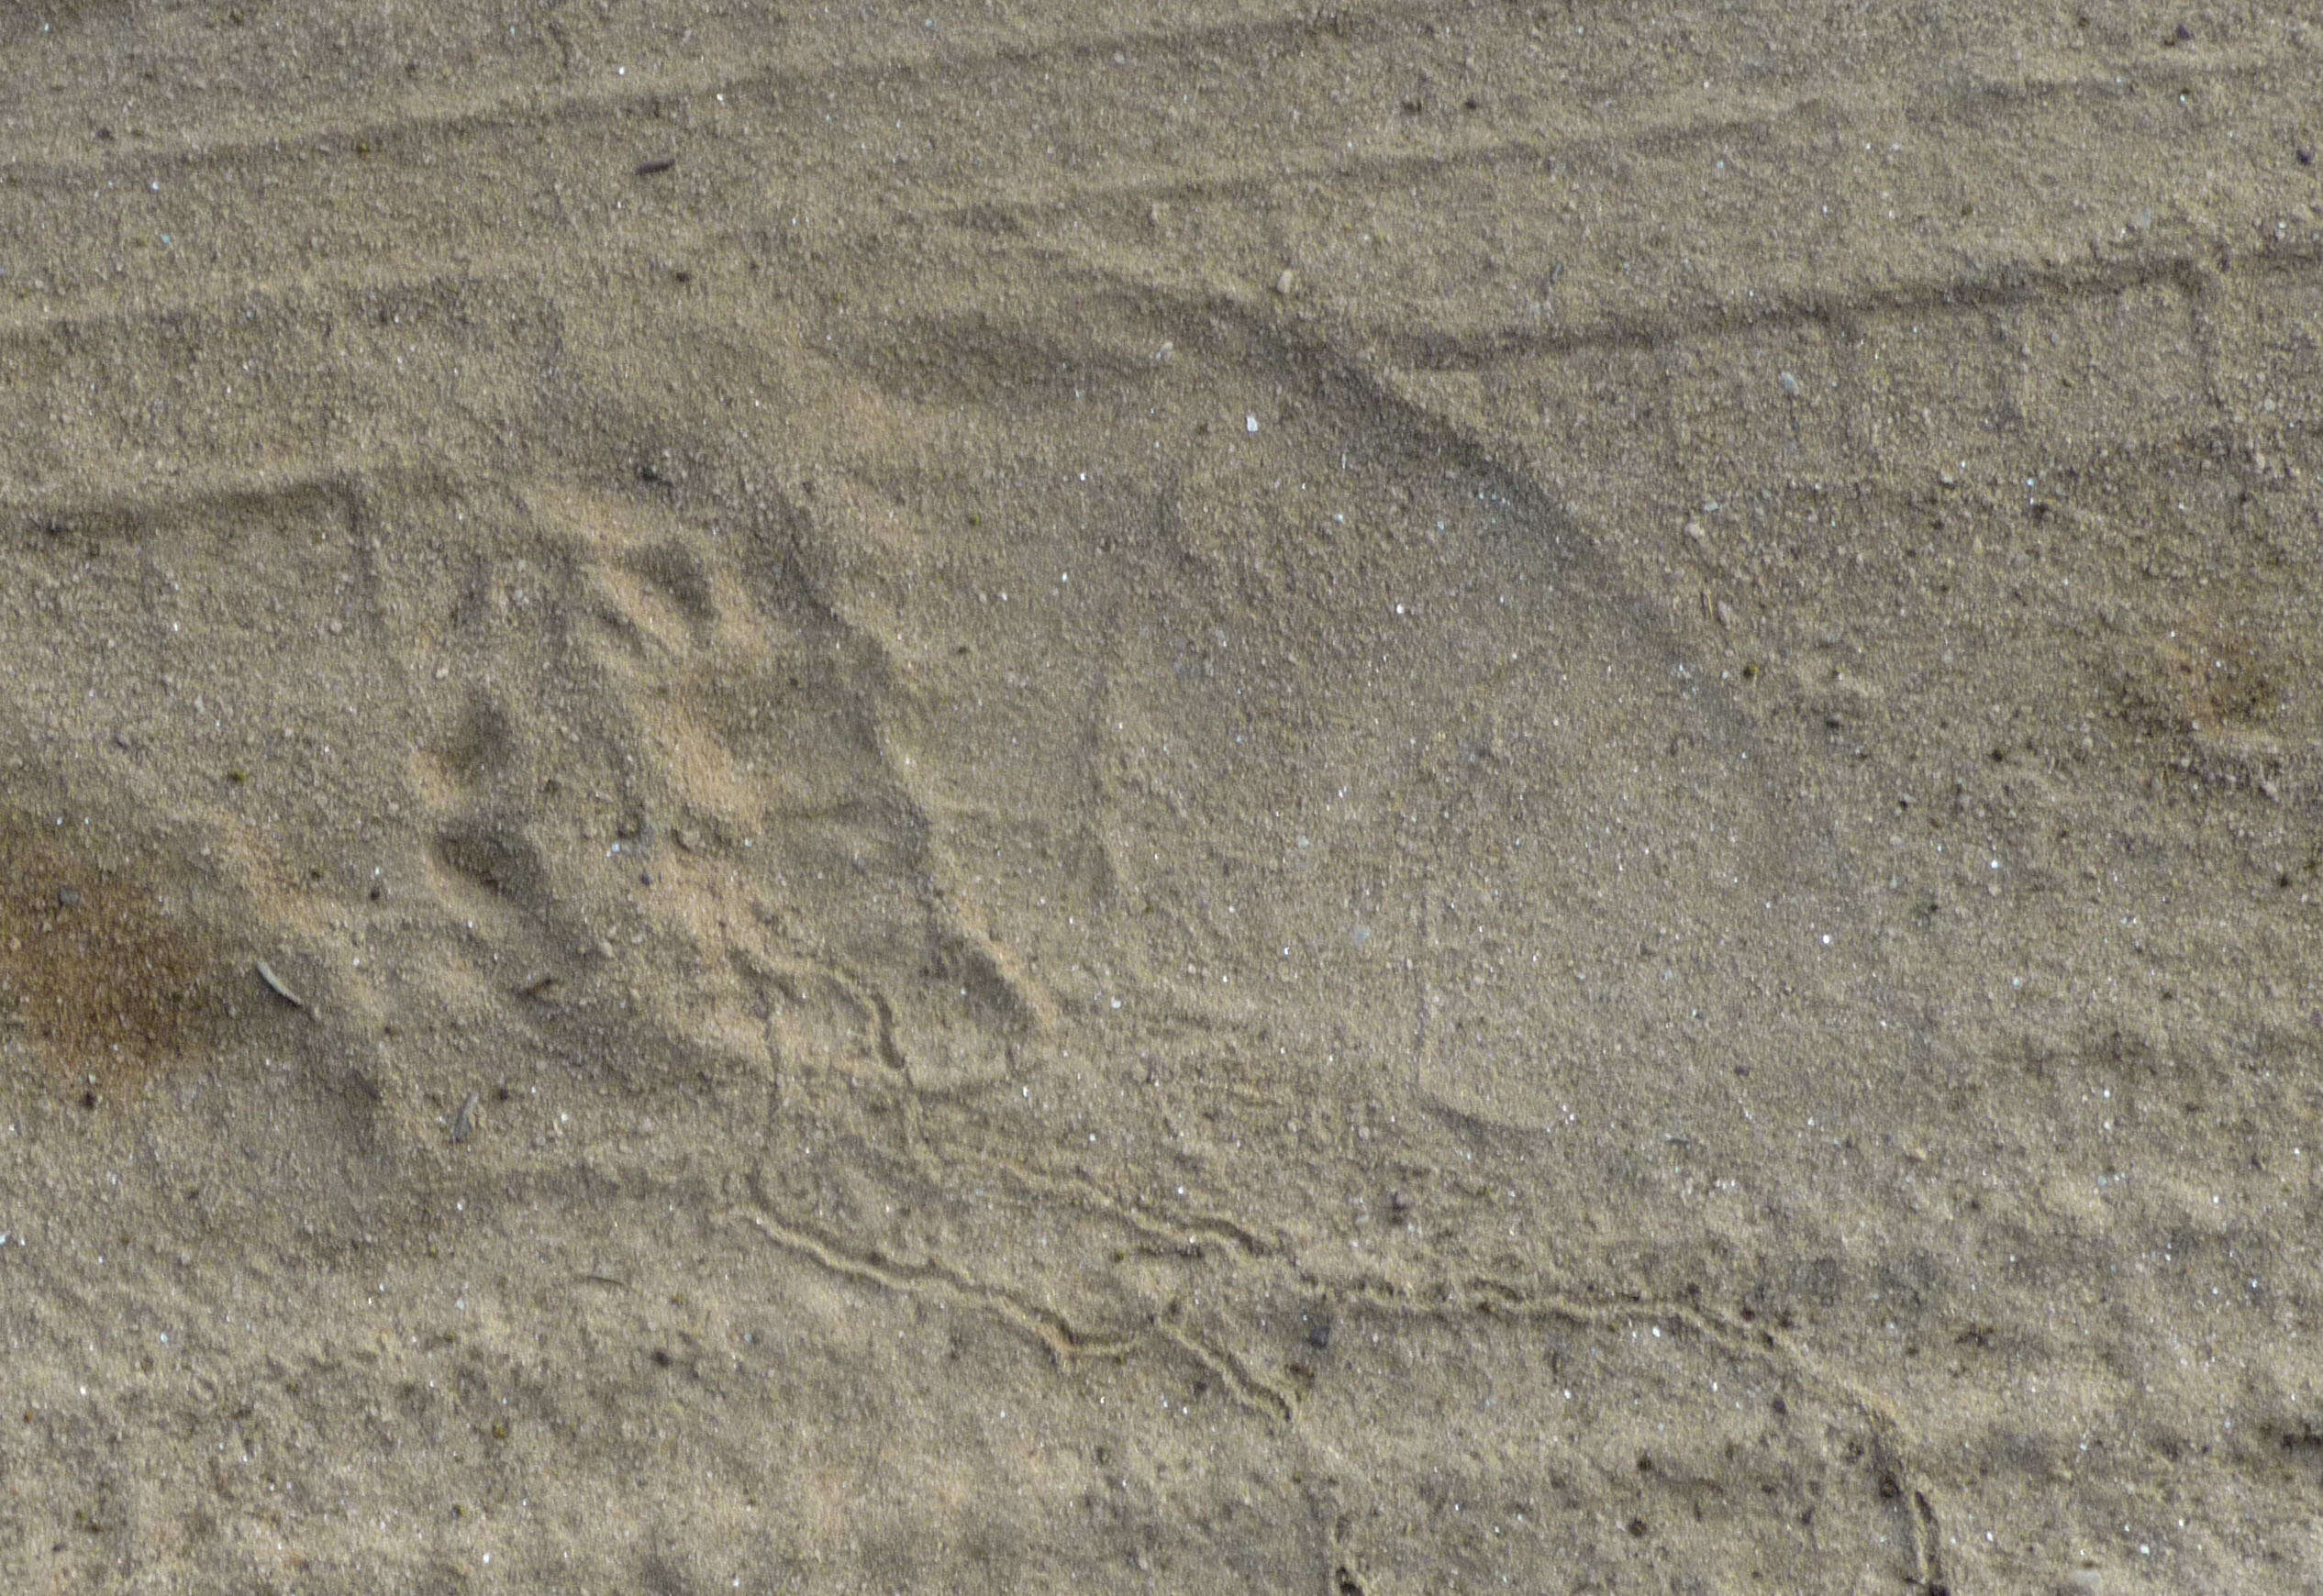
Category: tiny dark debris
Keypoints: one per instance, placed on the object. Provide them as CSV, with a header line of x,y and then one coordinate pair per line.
x,y
650,168
1638,1528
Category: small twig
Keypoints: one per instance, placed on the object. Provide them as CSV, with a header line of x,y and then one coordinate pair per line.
x,y
275,984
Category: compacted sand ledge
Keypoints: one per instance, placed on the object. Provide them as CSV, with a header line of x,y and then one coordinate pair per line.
x,y
1379,798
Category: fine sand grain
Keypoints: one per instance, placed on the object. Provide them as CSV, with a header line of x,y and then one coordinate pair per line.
x,y
1241,797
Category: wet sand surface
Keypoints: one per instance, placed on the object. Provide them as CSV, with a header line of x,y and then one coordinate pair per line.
x,y
1259,797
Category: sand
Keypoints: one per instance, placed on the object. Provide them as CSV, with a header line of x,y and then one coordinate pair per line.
x,y
1257,797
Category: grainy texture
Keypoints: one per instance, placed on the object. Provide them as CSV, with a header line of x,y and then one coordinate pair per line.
x,y
1356,799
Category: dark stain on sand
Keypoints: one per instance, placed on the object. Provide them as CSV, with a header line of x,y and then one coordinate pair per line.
x,y
104,982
